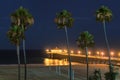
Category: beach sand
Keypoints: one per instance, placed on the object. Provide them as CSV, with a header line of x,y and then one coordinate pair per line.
x,y
35,72
43,72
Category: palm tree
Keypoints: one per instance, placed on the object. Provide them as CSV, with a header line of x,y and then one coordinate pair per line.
x,y
14,35
23,19
85,40
63,20
104,14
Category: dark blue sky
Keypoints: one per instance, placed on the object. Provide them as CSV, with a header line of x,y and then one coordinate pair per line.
x,y
44,34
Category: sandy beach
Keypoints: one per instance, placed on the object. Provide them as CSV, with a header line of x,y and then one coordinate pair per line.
x,y
35,72
43,72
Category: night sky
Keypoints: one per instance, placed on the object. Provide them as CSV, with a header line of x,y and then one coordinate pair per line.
x,y
44,32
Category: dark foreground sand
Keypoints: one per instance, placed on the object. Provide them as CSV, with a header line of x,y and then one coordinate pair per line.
x,y
42,72
35,72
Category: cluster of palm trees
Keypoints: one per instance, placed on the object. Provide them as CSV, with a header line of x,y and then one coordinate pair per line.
x,y
85,39
21,19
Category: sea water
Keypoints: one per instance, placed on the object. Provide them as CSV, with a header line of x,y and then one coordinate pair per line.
x,y
33,56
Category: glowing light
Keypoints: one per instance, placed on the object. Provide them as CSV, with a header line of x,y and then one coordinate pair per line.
x,y
89,53
47,50
79,52
72,51
56,50
112,54
50,62
102,53
98,52
119,54
60,51
65,50
47,62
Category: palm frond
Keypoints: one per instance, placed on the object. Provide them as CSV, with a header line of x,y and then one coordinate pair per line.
x,y
85,39
15,35
22,17
103,14
64,18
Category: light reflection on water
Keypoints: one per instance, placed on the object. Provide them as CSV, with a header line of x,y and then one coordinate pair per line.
x,y
48,62
54,62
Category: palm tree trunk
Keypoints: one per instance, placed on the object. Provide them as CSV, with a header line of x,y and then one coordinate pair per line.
x,y
69,58
108,48
25,62
24,53
18,57
86,51
25,68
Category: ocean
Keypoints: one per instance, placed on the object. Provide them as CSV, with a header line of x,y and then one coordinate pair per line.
x,y
33,56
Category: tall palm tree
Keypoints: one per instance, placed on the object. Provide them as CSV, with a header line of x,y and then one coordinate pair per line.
x,y
104,14
14,35
23,19
85,40
63,20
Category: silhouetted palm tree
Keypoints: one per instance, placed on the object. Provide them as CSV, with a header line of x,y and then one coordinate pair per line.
x,y
104,14
63,20
23,19
14,35
85,40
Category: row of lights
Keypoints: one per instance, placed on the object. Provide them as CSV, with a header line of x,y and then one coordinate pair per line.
x,y
59,51
102,53
79,52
